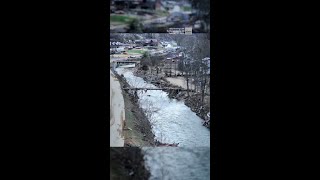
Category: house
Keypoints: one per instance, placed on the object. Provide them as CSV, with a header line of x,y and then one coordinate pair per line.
x,y
132,4
151,4
112,51
138,42
150,42
117,47
119,4
115,43
120,49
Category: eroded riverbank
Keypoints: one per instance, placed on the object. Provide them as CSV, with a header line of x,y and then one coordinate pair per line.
x,y
171,120
137,128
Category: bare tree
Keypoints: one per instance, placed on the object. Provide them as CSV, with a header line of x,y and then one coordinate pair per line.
x,y
195,48
187,69
149,109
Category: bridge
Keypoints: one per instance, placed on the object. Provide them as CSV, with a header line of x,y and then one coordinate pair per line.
x,y
117,63
147,89
124,62
127,62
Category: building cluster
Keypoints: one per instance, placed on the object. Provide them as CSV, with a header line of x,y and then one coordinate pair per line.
x,y
150,42
132,4
148,4
120,47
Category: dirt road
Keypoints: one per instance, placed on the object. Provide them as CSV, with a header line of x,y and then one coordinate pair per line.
x,y
117,113
179,81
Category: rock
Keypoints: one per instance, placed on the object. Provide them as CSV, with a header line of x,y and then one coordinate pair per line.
x,y
127,129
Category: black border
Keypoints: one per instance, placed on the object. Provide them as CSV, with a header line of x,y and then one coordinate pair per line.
x,y
216,77
58,89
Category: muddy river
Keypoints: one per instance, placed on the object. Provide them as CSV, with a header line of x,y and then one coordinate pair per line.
x,y
171,120
170,163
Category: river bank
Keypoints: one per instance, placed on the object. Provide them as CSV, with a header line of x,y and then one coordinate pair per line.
x,y
172,122
154,163
137,128
127,163
193,101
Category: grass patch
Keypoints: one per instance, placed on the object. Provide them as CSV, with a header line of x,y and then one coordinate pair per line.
x,y
120,18
162,13
140,133
134,135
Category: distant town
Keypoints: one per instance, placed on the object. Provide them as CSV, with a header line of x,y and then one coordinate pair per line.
x,y
144,16
177,65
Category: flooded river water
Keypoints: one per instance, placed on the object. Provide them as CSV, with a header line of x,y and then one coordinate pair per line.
x,y
171,120
170,163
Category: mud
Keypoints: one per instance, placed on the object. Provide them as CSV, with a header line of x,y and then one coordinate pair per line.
x,y
137,127
127,163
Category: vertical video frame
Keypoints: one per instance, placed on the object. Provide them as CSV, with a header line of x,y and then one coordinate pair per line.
x,y
159,89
